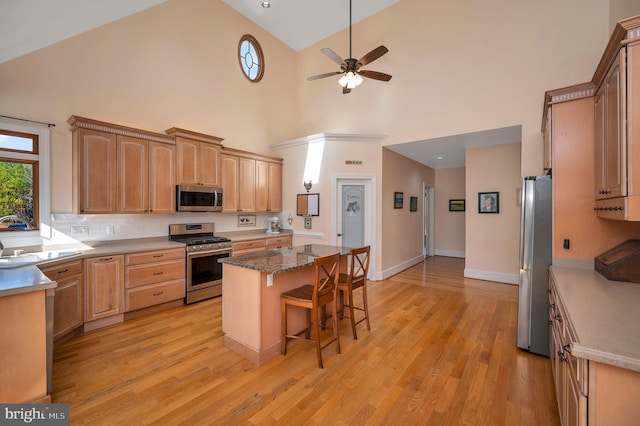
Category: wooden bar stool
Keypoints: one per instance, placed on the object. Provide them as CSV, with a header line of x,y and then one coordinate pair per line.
x,y
314,297
356,278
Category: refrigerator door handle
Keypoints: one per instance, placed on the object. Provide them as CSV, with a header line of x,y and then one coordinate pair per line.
x,y
522,217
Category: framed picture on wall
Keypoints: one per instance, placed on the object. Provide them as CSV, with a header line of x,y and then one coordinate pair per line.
x,y
488,202
398,200
413,204
456,205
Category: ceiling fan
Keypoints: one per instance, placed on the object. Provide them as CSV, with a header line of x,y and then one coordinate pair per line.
x,y
350,67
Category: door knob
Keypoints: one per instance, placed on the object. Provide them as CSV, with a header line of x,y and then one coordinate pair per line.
x,y
339,235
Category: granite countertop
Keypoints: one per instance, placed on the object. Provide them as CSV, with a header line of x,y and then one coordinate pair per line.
x,y
28,277
254,234
603,314
284,259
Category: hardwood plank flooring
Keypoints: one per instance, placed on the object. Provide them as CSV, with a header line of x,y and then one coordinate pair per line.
x,y
441,350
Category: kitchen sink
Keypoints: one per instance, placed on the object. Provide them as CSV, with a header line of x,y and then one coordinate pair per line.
x,y
25,259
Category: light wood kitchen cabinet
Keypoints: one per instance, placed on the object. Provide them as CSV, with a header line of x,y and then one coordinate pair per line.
x,y
268,186
119,169
251,246
238,183
162,178
154,277
588,392
68,312
198,157
96,171
278,242
617,125
133,175
104,278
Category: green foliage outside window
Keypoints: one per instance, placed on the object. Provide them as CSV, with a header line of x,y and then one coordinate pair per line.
x,y
16,190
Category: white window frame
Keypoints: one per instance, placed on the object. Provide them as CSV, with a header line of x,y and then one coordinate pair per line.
x,y
29,238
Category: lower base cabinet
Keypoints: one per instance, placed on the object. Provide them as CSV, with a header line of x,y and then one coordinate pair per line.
x,y
588,392
105,287
68,311
154,277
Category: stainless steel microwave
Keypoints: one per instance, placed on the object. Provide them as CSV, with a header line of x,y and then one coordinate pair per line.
x,y
198,199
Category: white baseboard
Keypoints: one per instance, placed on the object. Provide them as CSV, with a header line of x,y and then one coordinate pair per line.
x,y
396,269
450,253
500,277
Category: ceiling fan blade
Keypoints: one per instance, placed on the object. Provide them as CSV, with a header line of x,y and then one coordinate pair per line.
x,y
333,56
327,74
373,55
345,90
375,75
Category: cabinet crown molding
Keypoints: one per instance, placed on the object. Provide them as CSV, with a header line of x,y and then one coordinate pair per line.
x,y
176,131
77,122
624,32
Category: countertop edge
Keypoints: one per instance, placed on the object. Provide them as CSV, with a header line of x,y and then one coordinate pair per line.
x,y
590,350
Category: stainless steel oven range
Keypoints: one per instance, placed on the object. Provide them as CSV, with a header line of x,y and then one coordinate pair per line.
x,y
204,272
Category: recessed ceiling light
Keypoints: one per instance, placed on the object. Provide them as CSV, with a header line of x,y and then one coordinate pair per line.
x,y
439,158
266,4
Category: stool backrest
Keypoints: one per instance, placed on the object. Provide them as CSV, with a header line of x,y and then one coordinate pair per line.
x,y
359,265
327,270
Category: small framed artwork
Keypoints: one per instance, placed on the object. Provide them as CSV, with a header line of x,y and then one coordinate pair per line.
x,y
413,204
456,205
246,220
398,200
488,202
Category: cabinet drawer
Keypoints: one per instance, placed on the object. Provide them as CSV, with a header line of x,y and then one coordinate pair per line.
x,y
154,256
63,271
278,242
140,275
249,245
154,294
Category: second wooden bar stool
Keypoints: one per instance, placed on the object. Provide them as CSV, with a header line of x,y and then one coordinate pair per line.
x,y
313,297
356,278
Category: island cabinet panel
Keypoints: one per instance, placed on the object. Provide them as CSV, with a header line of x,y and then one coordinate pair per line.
x,y
96,153
23,354
154,277
68,312
133,175
105,287
162,178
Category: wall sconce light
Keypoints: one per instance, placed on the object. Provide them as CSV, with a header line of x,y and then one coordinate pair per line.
x,y
307,185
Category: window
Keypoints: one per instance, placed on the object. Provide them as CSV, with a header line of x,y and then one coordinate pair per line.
x,y
251,58
19,181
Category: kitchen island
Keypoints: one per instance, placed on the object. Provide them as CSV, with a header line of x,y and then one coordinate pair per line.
x,y
251,288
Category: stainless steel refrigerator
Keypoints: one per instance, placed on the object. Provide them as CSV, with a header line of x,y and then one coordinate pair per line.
x,y
535,259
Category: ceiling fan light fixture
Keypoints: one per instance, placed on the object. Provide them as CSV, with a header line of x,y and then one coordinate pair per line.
x,y
350,80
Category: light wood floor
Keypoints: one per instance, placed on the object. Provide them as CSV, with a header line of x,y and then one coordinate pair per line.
x,y
441,350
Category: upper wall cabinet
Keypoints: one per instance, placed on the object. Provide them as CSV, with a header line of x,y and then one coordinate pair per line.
x,y
251,182
617,125
198,157
119,169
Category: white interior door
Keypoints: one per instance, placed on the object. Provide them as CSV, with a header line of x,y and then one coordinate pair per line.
x,y
355,213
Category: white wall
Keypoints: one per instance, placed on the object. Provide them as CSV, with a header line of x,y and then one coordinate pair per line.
x,y
492,240
450,226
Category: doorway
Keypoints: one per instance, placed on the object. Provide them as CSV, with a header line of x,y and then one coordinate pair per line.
x,y
354,217
428,224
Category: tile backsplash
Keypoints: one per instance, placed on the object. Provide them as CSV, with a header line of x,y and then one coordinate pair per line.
x,y
69,228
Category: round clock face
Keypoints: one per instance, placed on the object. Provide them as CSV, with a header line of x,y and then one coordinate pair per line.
x,y
251,58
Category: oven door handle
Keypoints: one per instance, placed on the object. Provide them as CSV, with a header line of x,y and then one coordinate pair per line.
x,y
208,252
